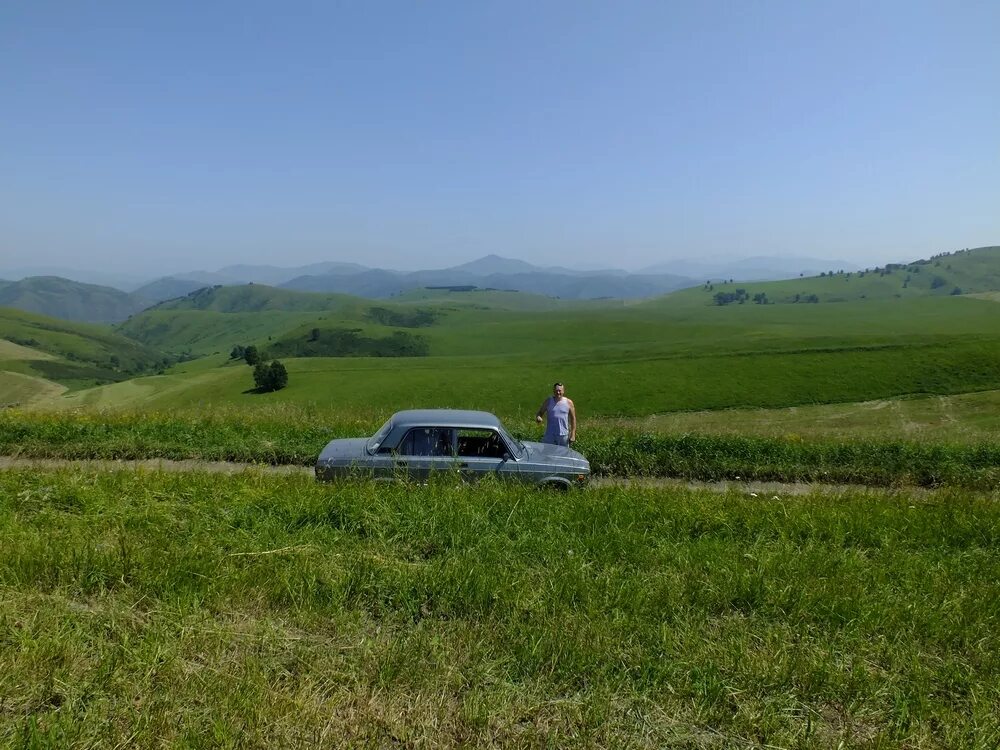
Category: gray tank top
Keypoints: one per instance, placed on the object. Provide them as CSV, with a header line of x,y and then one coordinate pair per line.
x,y
557,418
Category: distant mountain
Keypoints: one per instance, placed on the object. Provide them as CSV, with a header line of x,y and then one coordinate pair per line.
x,y
166,288
70,300
494,272
373,283
492,264
123,281
750,269
180,284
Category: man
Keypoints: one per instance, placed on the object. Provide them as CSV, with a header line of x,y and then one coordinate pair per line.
x,y
560,417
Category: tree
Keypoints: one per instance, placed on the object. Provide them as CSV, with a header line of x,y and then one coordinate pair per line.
x,y
270,377
251,355
279,376
237,352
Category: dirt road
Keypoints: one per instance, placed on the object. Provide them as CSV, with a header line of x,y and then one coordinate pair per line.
x,y
760,489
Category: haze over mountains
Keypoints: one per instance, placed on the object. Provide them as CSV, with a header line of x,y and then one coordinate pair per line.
x,y
73,299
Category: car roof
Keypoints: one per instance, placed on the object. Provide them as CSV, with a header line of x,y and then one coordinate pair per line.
x,y
444,418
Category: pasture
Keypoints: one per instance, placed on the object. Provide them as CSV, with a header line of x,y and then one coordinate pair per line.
x,y
254,611
633,361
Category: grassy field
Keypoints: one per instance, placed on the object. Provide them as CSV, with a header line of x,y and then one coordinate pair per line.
x,y
966,418
17,389
604,387
626,361
286,435
195,610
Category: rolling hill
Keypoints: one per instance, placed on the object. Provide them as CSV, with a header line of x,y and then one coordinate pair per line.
x,y
973,271
73,355
70,300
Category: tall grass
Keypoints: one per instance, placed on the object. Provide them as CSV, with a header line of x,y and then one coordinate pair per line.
x,y
289,435
252,611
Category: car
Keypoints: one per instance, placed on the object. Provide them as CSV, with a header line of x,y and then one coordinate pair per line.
x,y
417,443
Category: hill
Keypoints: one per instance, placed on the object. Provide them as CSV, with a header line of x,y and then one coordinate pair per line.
x,y
74,355
759,268
168,287
213,320
634,360
962,272
70,300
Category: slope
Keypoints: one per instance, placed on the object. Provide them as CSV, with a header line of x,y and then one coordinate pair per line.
x,y
962,272
70,300
73,354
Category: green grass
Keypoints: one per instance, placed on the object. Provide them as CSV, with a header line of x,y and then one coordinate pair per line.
x,y
966,418
604,387
17,389
205,611
71,355
289,436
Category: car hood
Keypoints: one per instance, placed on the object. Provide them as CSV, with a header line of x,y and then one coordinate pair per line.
x,y
344,449
556,454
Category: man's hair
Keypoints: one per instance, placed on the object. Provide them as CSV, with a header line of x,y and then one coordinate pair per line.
x,y
557,384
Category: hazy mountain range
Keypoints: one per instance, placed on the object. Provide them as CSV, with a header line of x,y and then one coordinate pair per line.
x,y
74,299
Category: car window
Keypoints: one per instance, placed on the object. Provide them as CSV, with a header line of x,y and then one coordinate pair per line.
x,y
512,443
480,444
427,441
375,441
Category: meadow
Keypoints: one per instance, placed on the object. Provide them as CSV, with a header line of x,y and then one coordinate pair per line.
x,y
292,436
198,610
255,610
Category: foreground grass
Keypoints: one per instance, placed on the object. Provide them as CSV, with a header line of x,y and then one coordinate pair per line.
x,y
293,436
199,610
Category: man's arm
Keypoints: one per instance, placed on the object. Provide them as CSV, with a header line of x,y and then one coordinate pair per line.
x,y
541,410
572,421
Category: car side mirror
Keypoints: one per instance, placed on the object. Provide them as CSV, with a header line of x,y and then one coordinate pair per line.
x,y
506,456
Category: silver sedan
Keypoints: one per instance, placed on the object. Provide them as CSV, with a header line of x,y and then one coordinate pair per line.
x,y
417,443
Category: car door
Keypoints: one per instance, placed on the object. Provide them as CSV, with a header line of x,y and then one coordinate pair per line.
x,y
481,452
424,451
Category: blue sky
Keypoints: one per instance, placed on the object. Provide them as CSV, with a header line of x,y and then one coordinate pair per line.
x,y
158,137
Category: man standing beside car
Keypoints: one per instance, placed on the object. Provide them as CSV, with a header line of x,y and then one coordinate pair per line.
x,y
560,417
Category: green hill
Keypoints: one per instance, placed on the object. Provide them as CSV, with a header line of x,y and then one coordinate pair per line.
x,y
72,354
70,300
631,361
961,272
259,298
213,320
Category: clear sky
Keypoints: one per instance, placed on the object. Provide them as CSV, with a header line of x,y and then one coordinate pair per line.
x,y
171,136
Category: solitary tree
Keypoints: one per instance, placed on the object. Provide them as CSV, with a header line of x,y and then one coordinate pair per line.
x,y
270,377
251,355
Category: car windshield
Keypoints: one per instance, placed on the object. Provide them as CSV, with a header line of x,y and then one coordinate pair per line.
x,y
376,440
514,443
